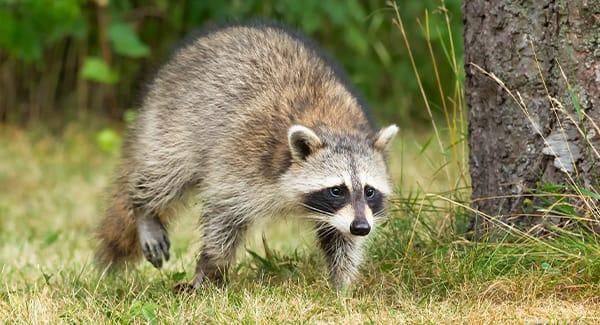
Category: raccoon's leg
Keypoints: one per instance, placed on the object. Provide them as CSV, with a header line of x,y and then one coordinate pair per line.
x,y
154,239
135,221
342,254
154,197
223,233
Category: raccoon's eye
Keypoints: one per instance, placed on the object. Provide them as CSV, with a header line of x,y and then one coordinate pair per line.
x,y
369,192
336,191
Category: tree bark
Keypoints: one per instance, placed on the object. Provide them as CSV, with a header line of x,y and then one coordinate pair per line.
x,y
512,150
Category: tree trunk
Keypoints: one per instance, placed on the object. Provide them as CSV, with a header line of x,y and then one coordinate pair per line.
x,y
525,44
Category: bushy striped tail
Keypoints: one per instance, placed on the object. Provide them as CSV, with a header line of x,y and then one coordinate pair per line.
x,y
117,233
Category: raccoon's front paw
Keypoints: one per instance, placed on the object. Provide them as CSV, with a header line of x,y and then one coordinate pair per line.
x,y
187,287
154,241
200,281
184,288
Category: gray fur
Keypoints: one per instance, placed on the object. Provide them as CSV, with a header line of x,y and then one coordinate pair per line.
x,y
216,120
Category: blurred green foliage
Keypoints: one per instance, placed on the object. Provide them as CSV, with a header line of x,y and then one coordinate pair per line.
x,y
108,141
64,57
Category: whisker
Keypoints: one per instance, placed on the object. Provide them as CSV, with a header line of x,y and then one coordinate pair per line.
x,y
327,229
317,210
380,213
316,218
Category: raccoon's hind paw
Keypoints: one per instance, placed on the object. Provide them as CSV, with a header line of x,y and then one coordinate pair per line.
x,y
154,241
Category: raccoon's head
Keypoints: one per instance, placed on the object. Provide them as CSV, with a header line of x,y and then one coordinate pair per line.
x,y
340,180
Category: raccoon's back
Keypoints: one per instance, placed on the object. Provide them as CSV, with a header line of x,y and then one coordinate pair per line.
x,y
234,91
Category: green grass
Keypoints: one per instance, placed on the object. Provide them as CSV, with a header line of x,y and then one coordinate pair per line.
x,y
419,267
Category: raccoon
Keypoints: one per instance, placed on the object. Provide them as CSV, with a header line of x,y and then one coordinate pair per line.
x,y
259,123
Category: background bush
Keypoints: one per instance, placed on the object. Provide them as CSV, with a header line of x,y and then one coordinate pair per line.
x,y
61,59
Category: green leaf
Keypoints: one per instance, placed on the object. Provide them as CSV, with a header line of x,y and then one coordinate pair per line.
x,y
564,209
546,266
125,41
149,312
552,188
311,23
108,140
27,41
336,13
7,29
576,104
96,69
590,193
47,277
355,38
51,237
263,261
356,10
383,54
425,146
178,276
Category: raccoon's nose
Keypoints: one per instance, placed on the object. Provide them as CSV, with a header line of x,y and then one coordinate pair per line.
x,y
360,227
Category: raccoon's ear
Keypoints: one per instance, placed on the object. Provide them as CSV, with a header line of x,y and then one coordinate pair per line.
x,y
384,137
302,141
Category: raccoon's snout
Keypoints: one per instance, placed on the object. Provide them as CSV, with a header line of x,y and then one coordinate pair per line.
x,y
360,227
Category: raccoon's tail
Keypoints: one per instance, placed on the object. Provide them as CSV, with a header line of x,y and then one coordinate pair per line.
x,y
117,233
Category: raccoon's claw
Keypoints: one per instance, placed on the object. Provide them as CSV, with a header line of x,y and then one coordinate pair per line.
x,y
194,286
184,288
154,254
156,250
154,241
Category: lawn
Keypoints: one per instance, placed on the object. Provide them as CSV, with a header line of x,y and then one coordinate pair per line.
x,y
420,268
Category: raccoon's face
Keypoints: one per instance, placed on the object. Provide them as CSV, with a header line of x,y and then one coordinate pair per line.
x,y
339,180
